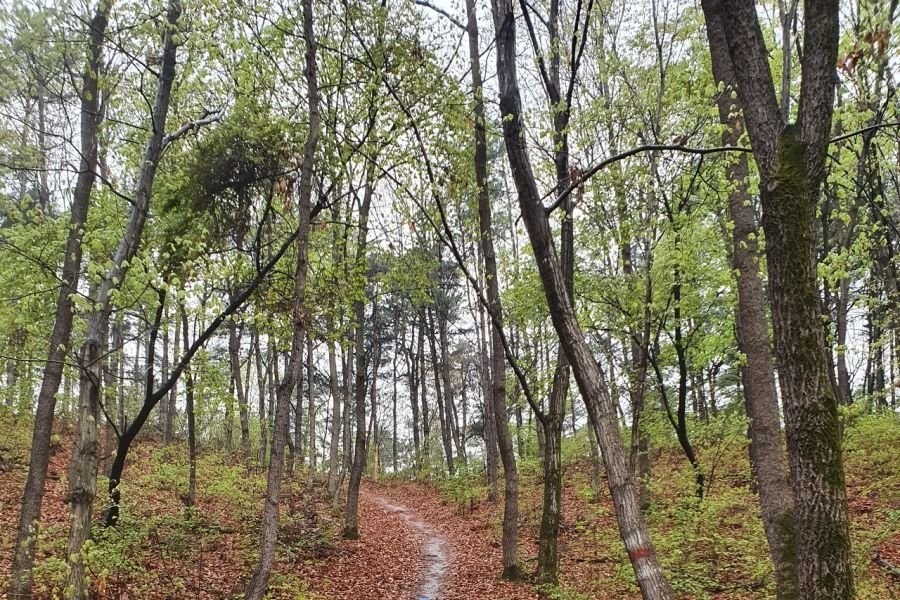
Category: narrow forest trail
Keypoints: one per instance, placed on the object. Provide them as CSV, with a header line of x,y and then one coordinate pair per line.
x,y
413,546
433,550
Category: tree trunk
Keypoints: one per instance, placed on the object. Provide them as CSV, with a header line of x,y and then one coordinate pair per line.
x,y
234,353
437,368
256,587
60,338
394,406
791,163
412,368
113,352
767,453
497,396
172,408
590,378
351,525
336,420
261,372
83,466
191,496
373,394
311,415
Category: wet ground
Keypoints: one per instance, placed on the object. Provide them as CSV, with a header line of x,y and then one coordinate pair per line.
x,y
434,550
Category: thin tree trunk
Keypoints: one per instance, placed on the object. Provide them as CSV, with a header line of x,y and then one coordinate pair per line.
x,y
449,404
172,408
373,394
336,419
190,498
394,406
351,525
60,338
436,367
412,368
256,587
261,372
234,353
83,466
590,378
311,416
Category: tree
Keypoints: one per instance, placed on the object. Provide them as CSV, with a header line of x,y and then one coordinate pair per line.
x,y
32,497
590,378
758,376
256,588
791,163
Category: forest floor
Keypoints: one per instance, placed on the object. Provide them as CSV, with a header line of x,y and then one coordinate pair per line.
x,y
440,539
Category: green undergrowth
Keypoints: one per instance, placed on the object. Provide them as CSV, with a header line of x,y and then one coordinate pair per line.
x,y
716,547
161,547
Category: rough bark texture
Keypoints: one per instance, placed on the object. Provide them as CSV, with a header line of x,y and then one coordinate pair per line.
x,y
551,422
39,459
591,381
791,162
256,587
767,452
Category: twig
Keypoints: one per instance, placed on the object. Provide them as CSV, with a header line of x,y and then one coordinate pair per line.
x,y
887,565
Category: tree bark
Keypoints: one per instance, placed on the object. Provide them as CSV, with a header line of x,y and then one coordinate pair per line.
x,y
256,587
83,466
791,162
60,338
590,378
767,452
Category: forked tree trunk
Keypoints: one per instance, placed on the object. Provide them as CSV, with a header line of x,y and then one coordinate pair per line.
x,y
791,163
83,466
767,452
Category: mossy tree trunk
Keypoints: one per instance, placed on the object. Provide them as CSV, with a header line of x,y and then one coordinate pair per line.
x,y
791,161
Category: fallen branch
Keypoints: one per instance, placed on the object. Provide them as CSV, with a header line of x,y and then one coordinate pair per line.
x,y
887,565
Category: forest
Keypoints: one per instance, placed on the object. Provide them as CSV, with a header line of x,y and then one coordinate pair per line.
x,y
450,299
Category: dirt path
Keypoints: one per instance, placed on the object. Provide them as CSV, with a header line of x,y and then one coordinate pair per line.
x,y
413,546
433,551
